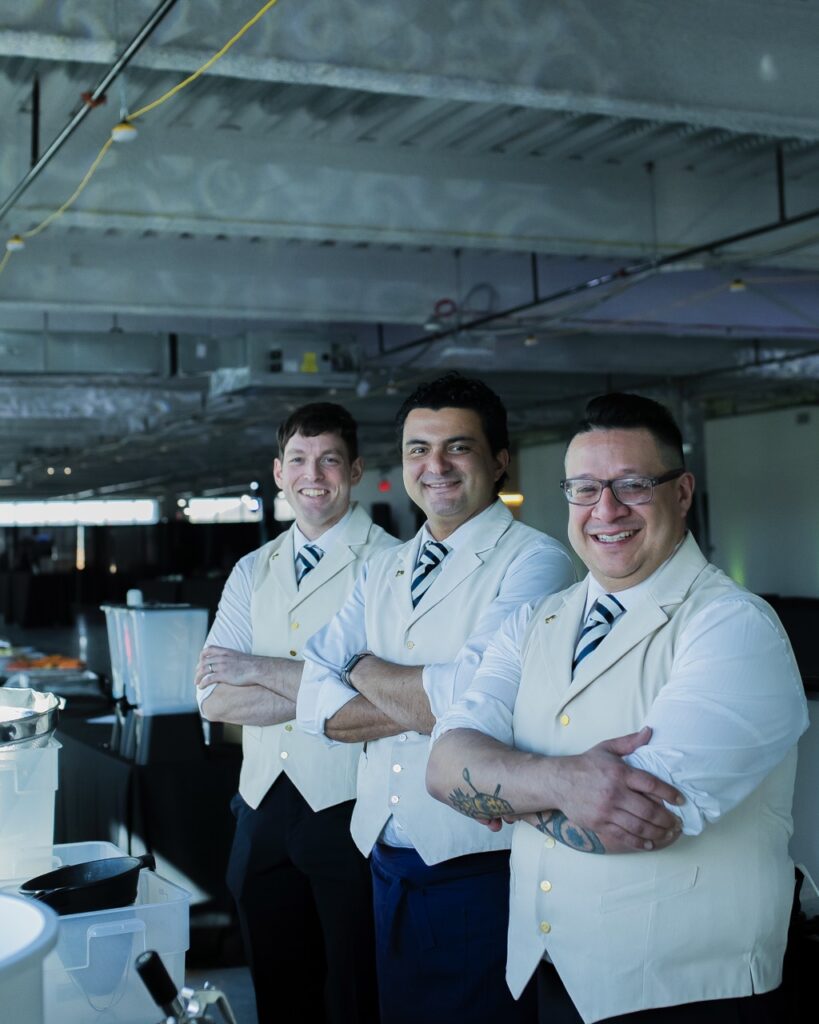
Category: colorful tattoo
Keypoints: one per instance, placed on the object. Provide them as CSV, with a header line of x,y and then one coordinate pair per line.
x,y
481,805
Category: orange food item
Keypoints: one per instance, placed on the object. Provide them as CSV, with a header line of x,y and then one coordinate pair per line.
x,y
47,661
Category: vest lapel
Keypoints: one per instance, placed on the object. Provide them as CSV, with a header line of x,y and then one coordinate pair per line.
x,y
399,575
331,563
559,632
667,590
283,569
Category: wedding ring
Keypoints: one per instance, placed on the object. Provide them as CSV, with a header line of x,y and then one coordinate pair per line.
x,y
210,667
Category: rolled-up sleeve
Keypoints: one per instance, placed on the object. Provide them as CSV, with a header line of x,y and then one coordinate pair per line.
x,y
732,708
232,626
322,693
489,703
534,574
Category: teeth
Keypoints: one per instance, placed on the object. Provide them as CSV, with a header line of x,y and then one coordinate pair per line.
x,y
312,492
612,538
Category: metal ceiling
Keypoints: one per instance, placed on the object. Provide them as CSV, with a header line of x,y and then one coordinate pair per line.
x,y
328,208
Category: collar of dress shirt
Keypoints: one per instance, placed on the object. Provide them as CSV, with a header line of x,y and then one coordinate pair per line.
x,y
630,595
325,540
463,536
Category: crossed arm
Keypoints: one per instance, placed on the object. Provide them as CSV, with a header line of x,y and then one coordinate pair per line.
x,y
248,689
593,802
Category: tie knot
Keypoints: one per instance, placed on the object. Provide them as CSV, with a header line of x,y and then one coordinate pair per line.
x,y
605,609
596,627
307,559
432,553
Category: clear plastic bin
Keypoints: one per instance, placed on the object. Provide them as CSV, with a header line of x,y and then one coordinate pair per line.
x,y
120,649
167,640
89,977
28,784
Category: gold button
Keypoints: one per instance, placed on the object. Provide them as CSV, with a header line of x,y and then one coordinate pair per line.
x,y
396,768
283,755
288,728
410,645
294,625
545,886
564,719
545,927
292,654
549,841
394,799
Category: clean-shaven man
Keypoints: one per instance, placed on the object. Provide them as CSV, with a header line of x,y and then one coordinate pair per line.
x,y
623,918
302,890
402,649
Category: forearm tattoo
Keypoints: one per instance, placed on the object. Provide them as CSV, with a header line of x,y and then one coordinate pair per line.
x,y
557,825
480,805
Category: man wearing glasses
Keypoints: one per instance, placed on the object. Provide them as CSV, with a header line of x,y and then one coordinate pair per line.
x,y
695,679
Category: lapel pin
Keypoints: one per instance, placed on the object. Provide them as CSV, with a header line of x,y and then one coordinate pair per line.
x,y
549,618
399,572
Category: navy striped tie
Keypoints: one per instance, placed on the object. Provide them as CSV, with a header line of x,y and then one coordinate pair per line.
x,y
596,627
306,560
429,558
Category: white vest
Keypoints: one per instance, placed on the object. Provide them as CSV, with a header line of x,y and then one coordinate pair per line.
x,y
283,617
704,919
392,770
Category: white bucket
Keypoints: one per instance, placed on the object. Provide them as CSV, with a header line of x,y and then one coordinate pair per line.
x,y
27,935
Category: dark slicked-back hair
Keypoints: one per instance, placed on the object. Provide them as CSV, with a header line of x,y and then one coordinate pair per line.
x,y
320,418
452,391
618,411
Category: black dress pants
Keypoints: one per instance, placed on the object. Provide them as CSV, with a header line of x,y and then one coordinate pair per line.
x,y
304,899
555,1007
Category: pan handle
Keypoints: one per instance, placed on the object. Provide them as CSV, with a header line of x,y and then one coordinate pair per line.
x,y
147,860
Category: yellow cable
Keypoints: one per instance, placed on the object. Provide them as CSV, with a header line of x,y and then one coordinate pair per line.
x,y
74,195
132,117
206,65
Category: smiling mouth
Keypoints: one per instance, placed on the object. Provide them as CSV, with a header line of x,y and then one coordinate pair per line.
x,y
313,492
613,538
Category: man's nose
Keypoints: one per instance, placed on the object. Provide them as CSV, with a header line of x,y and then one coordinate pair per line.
x,y
314,469
608,507
438,462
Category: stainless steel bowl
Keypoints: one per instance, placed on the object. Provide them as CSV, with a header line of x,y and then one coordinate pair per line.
x,y
27,717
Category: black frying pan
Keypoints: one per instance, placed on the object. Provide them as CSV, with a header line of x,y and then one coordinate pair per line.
x,y
93,885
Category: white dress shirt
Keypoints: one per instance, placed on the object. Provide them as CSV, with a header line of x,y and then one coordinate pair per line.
x,y
231,628
732,708
545,568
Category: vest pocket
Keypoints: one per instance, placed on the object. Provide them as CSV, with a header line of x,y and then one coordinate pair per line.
x,y
651,891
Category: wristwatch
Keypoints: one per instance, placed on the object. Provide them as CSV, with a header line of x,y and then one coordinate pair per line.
x,y
351,664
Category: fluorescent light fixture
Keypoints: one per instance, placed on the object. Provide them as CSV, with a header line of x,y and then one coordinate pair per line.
x,y
235,509
102,512
512,499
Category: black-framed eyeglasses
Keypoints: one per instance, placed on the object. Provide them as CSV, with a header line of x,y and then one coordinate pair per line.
x,y
628,490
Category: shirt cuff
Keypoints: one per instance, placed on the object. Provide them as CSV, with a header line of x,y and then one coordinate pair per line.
x,y
318,702
698,809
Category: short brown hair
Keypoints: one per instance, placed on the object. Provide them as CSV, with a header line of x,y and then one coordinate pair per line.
x,y
320,418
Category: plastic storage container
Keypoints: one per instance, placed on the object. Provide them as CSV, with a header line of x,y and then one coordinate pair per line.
x,y
28,933
28,783
121,650
167,641
89,977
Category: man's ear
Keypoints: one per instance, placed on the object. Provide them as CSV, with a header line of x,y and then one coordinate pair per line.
x,y
356,470
685,492
502,458
277,472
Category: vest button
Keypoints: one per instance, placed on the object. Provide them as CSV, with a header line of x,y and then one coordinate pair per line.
x,y
549,842
564,719
293,654
294,625
288,728
394,799
283,755
402,738
410,645
545,886
545,927
396,768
